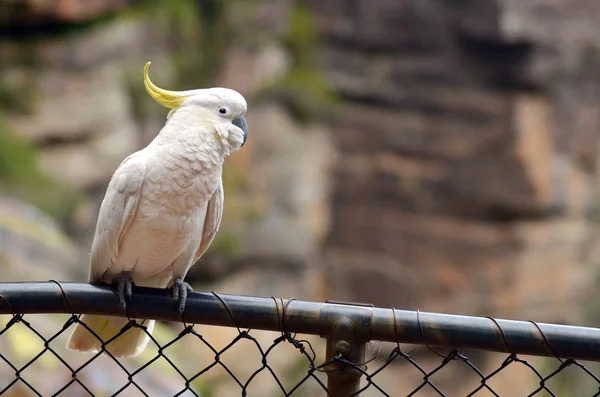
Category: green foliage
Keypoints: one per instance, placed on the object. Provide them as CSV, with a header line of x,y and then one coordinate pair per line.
x,y
181,16
8,11
234,178
203,55
198,35
249,33
17,97
303,89
254,213
20,177
16,159
215,29
306,94
203,388
226,243
301,38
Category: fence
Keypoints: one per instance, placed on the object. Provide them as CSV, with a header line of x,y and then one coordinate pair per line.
x,y
353,361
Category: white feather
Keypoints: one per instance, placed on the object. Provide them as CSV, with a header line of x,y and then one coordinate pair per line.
x,y
163,206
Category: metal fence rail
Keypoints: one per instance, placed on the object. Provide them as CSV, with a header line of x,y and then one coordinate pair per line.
x,y
346,327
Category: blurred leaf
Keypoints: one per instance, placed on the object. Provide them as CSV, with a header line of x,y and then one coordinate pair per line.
x,y
301,38
303,89
16,96
17,158
226,243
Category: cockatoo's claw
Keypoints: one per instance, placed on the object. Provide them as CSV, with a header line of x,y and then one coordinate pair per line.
x,y
180,289
124,284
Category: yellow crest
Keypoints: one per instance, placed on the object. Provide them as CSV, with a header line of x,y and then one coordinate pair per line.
x,y
169,99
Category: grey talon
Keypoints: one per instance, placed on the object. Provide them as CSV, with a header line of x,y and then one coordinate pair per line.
x,y
180,290
124,284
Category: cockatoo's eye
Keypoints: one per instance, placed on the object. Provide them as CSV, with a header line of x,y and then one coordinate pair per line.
x,y
223,110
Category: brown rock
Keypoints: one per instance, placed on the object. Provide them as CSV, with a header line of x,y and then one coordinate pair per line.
x,y
250,71
467,170
278,205
32,247
89,164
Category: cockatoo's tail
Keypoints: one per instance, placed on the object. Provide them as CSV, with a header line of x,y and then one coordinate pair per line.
x,y
162,208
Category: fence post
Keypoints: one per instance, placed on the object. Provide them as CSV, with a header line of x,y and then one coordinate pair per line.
x,y
347,339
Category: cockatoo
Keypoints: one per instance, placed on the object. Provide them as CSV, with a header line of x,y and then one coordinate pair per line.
x,y
162,208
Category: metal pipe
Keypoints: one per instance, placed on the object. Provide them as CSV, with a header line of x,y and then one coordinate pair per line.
x,y
346,344
461,332
342,379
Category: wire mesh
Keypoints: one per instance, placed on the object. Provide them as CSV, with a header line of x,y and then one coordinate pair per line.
x,y
185,359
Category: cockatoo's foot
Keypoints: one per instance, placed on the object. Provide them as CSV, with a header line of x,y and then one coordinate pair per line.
x,y
180,289
124,284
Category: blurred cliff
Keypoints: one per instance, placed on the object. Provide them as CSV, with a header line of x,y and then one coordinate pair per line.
x,y
467,173
418,153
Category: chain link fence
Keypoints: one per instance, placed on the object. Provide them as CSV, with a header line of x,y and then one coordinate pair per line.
x,y
226,345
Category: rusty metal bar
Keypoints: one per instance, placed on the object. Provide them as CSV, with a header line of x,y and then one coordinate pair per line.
x,y
461,332
343,380
350,327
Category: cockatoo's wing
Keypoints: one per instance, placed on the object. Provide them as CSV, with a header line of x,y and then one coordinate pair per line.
x,y
118,210
214,213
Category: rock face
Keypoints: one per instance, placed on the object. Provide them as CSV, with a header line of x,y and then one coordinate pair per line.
x,y
467,159
86,110
468,141
66,78
467,164
32,247
276,187
459,177
78,98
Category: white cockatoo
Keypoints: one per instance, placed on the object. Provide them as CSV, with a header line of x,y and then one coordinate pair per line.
x,y
162,208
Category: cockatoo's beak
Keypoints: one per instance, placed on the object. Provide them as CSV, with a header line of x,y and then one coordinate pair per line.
x,y
169,99
243,125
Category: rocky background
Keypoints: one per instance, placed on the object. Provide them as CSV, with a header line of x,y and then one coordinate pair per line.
x,y
421,154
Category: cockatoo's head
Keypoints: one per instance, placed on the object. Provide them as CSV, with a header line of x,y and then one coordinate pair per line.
x,y
221,108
